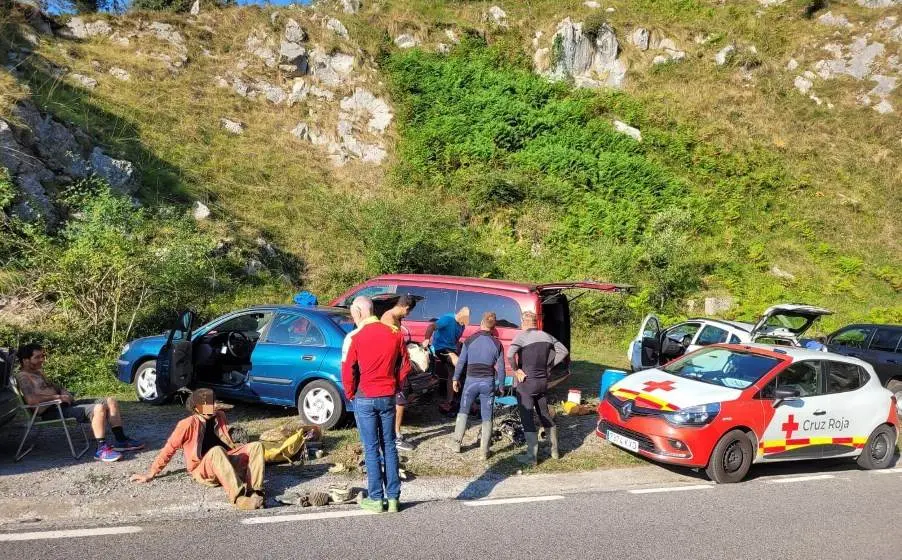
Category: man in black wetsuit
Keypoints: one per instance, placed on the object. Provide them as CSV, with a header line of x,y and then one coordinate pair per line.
x,y
533,353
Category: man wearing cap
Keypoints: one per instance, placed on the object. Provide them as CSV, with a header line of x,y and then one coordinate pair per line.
x,y
211,457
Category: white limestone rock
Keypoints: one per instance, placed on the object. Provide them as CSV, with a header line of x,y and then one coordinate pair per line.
x,y
120,74
232,126
724,55
200,212
630,131
337,27
406,41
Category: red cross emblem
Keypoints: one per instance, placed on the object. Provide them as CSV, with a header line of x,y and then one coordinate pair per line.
x,y
662,385
790,426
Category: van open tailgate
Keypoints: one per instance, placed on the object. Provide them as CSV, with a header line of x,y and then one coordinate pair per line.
x,y
586,284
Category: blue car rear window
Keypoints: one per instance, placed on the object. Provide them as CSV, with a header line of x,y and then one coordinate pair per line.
x,y
343,321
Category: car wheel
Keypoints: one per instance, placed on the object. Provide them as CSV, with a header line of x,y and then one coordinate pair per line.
x,y
145,383
879,451
320,403
731,458
895,387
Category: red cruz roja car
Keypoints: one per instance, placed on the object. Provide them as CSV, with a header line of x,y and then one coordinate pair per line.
x,y
725,407
447,294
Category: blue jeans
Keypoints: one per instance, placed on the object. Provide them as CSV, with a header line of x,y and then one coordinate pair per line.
x,y
376,423
478,387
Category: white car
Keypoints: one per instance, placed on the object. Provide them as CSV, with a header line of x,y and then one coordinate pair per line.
x,y
780,325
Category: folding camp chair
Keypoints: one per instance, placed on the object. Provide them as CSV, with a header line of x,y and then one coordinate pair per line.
x,y
31,411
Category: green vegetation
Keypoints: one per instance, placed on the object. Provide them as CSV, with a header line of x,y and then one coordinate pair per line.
x,y
493,171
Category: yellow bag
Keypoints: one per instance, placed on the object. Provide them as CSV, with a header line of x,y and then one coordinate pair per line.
x,y
286,451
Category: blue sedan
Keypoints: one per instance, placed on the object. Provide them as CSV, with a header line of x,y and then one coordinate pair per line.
x,y
283,355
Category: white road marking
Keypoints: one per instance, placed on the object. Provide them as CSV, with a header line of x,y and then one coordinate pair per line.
x,y
672,489
897,470
305,516
501,501
799,478
68,534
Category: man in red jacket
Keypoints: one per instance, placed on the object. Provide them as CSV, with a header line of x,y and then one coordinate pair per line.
x,y
375,369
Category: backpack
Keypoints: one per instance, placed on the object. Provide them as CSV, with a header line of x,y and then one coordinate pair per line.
x,y
288,442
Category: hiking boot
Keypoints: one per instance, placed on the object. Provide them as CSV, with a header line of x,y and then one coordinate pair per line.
x,y
552,438
248,503
128,444
460,426
402,444
394,506
532,444
106,454
368,504
485,441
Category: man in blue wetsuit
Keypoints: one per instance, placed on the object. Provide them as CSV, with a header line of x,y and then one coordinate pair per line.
x,y
482,358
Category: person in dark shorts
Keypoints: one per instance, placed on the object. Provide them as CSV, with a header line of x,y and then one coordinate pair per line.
x,y
533,354
483,359
36,388
393,318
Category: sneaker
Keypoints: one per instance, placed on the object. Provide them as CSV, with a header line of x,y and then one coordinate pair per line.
x,y
128,444
402,444
106,454
394,506
368,504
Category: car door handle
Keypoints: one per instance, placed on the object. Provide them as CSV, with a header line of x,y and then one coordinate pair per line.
x,y
820,412
307,358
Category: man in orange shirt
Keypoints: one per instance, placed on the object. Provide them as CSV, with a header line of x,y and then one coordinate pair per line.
x,y
211,457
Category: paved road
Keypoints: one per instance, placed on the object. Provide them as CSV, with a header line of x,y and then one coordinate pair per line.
x,y
837,514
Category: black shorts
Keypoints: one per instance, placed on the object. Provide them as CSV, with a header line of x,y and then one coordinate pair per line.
x,y
82,410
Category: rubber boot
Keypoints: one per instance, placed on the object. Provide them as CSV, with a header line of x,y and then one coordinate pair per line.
x,y
485,440
460,426
532,444
552,438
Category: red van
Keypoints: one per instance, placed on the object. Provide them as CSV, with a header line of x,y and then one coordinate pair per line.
x,y
447,294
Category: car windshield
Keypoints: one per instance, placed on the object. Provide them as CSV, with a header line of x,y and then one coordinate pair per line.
x,y
724,367
343,320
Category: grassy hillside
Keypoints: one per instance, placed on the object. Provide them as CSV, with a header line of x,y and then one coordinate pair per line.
x,y
492,170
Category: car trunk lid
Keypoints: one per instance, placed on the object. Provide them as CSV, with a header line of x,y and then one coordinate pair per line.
x,y
788,320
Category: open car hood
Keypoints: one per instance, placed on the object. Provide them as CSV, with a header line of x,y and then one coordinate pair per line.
x,y
788,320
587,285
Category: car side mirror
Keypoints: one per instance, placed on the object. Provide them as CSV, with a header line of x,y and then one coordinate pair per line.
x,y
784,394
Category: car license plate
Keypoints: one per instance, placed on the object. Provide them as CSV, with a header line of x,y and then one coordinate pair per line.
x,y
623,442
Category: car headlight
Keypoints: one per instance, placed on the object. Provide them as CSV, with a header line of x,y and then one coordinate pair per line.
x,y
694,415
125,349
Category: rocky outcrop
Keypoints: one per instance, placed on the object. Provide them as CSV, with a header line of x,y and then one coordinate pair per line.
x,y
44,154
864,59
590,59
879,3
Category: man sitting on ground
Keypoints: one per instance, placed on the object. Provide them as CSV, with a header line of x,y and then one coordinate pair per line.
x,y
36,389
211,457
393,318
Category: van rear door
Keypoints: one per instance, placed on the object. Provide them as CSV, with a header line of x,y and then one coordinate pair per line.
x,y
555,313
